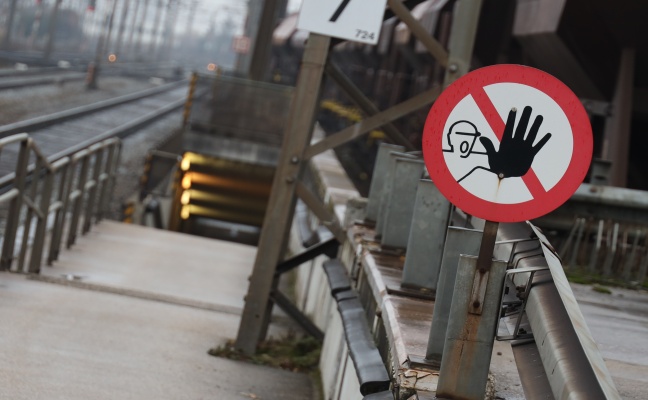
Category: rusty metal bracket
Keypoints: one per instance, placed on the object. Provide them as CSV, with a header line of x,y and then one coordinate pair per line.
x,y
328,248
484,262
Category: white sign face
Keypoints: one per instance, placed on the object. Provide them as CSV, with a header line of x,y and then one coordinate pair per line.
x,y
469,163
356,20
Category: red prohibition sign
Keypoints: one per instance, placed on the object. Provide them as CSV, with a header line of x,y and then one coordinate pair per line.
x,y
507,143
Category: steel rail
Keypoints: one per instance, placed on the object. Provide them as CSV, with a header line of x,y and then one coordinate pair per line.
x,y
119,132
57,78
47,120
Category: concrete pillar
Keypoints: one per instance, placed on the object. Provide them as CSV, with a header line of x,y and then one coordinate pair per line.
x,y
616,144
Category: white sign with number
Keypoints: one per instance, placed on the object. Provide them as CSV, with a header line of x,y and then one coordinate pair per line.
x,y
357,20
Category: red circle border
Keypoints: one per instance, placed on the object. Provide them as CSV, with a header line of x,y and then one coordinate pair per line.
x,y
504,73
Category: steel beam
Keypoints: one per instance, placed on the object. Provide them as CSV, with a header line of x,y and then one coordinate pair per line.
x,y
431,44
367,106
462,39
326,217
281,204
373,122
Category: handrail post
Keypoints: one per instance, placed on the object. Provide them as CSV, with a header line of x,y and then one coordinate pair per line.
x,y
92,191
39,236
65,187
33,191
105,182
15,207
77,201
112,175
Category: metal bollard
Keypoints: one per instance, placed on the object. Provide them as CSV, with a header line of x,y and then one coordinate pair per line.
x,y
426,238
600,174
378,180
400,202
387,188
458,241
470,336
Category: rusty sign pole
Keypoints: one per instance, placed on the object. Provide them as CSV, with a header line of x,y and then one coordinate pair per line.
x,y
282,198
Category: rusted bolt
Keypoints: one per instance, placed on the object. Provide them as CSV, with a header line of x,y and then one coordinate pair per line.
x,y
476,304
500,175
514,109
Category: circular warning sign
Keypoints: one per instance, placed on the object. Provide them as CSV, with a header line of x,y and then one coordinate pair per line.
x,y
507,143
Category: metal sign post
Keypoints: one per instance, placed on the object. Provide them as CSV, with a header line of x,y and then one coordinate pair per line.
x,y
505,143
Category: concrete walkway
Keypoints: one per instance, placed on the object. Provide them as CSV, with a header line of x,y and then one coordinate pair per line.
x,y
136,325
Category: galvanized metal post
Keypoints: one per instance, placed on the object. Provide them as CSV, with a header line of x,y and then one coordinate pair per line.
x,y
378,180
400,203
282,198
388,189
426,238
469,344
458,241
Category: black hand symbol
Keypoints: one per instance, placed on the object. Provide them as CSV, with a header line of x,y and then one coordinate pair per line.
x,y
516,153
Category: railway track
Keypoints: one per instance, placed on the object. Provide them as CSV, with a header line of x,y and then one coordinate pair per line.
x,y
12,79
42,76
63,133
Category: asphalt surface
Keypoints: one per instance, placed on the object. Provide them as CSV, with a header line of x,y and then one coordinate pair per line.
x,y
618,322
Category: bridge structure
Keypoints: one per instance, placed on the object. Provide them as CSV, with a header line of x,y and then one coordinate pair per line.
x,y
130,311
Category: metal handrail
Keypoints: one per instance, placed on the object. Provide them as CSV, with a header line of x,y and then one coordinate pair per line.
x,y
66,189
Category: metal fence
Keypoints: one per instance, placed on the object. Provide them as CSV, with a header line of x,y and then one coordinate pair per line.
x,y
45,200
239,108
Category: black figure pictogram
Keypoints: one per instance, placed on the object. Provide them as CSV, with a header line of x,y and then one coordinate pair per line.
x,y
516,150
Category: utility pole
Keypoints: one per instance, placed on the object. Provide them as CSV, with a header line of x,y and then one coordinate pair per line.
x,y
261,21
169,27
129,45
52,30
122,27
156,27
190,18
271,12
140,28
172,32
6,41
111,22
93,70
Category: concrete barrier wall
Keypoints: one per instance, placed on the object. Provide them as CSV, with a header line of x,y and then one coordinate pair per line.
x,y
313,294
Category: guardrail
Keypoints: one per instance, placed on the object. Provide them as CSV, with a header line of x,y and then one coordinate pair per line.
x,y
62,192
